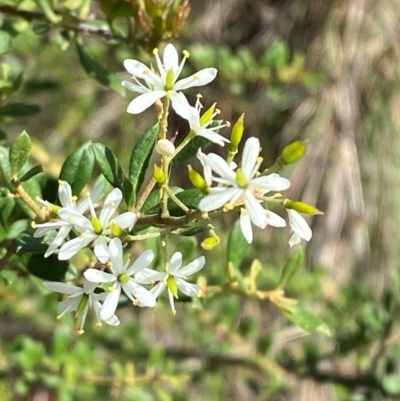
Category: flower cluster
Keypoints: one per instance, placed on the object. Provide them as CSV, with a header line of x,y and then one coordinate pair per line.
x,y
242,187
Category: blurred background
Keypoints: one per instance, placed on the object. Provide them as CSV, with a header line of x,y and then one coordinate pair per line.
x,y
325,71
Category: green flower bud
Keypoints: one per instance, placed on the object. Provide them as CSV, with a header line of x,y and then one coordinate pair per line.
x,y
117,231
237,134
301,207
159,175
293,152
210,242
197,180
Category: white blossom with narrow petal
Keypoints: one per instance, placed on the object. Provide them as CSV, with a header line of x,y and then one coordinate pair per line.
x,y
96,229
175,278
80,300
123,278
64,227
243,187
156,86
301,230
197,126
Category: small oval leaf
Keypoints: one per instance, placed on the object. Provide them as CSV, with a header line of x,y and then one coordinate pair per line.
x,y
13,110
111,168
50,269
78,168
237,246
31,173
293,265
307,320
140,159
191,149
19,152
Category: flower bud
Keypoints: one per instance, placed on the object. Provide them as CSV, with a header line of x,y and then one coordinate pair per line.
x,y
159,175
301,207
293,152
237,134
197,180
164,147
210,242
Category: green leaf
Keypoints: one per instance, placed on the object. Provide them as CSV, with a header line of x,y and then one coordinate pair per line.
x,y
391,384
152,202
78,168
13,110
237,246
98,72
140,159
27,243
5,168
50,268
190,197
31,173
307,320
111,169
4,41
293,265
191,149
3,137
19,152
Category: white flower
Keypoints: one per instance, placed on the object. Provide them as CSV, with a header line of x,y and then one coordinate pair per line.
x,y
299,226
174,278
96,229
122,277
243,186
165,82
63,227
199,124
81,300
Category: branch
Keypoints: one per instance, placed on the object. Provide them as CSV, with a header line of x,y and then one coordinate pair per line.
x,y
84,27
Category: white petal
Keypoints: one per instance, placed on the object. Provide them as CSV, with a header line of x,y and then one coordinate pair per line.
x,y
251,152
126,220
98,276
89,287
294,240
148,276
220,166
63,288
72,247
68,305
112,321
299,225
80,222
245,225
110,206
193,267
145,297
180,105
140,70
271,182
191,290
101,249
275,220
65,194
116,256
202,77
58,240
170,58
141,262
206,168
158,289
256,212
144,101
175,262
110,304
217,198
213,136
